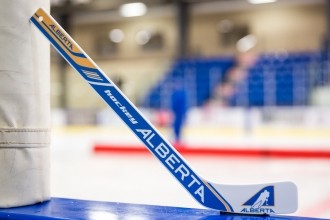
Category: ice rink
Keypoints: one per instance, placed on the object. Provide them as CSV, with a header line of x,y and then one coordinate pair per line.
x,y
78,172
247,80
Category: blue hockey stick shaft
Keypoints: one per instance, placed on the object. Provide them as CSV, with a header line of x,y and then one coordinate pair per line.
x,y
199,188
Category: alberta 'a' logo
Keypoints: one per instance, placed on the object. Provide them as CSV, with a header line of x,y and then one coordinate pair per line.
x,y
261,202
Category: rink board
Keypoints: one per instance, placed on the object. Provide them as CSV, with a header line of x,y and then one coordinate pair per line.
x,y
59,208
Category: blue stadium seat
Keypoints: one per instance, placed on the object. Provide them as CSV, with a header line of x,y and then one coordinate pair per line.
x,y
198,76
276,79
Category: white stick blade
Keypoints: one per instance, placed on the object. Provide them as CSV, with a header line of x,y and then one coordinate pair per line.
x,y
271,198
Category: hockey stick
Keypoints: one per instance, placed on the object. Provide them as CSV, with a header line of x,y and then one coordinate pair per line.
x,y
268,198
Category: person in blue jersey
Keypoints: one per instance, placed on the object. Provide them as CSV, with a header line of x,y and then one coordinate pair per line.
x,y
179,105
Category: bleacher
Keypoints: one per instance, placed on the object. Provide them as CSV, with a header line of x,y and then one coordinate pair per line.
x,y
282,79
199,78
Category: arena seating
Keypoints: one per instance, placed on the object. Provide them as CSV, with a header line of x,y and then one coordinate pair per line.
x,y
199,77
278,79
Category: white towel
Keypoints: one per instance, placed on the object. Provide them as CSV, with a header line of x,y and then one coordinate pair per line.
x,y
24,106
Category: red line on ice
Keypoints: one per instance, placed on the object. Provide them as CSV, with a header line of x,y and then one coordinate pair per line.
x,y
212,151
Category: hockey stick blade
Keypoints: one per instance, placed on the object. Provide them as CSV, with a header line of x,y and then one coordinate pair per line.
x,y
271,198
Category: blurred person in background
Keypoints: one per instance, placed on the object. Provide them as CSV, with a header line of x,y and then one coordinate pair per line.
x,y
226,90
179,107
